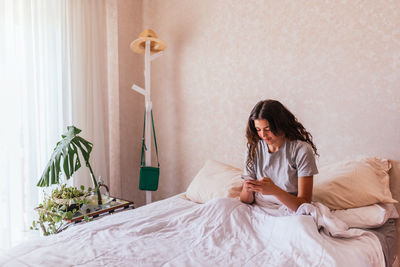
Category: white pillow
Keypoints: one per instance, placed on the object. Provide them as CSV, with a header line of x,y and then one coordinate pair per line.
x,y
367,217
353,184
214,180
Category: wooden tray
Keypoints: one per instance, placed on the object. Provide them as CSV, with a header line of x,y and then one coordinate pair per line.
x,y
93,211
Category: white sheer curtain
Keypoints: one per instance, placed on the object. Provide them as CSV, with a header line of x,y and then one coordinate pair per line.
x,y
88,52
51,76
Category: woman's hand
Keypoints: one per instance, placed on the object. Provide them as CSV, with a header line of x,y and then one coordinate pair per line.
x,y
265,186
246,187
247,195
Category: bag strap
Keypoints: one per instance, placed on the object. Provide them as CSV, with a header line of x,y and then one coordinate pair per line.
x,y
142,159
155,140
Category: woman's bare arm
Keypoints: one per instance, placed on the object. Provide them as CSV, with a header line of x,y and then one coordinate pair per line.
x,y
267,187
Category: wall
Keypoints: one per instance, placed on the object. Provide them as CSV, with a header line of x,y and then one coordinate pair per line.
x,y
335,64
124,23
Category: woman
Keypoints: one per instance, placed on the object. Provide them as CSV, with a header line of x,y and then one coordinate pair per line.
x,y
280,157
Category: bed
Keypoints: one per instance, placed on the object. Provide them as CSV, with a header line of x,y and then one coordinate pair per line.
x,y
207,227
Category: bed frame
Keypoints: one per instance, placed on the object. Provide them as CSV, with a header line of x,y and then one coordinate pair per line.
x,y
395,188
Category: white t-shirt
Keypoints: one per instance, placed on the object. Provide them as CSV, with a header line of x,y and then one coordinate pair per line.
x,y
293,159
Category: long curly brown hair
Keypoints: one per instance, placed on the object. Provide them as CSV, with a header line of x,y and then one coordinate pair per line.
x,y
281,121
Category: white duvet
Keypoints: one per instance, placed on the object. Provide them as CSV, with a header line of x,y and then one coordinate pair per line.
x,y
222,232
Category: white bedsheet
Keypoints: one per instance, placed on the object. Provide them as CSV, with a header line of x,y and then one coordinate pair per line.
x,y
222,232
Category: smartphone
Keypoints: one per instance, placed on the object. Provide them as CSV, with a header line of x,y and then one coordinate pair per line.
x,y
247,177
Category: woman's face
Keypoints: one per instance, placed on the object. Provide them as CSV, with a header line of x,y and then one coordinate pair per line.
x,y
265,133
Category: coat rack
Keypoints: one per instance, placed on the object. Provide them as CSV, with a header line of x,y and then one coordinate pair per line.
x,y
152,47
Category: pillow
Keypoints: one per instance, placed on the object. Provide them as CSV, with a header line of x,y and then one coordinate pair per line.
x,y
353,184
369,216
214,180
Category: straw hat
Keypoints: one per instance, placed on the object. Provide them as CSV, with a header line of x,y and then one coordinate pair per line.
x,y
156,45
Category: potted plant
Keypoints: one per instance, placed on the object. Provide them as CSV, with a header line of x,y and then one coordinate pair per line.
x,y
65,159
63,203
69,196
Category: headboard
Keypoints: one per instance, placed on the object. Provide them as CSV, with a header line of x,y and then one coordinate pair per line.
x,y
395,188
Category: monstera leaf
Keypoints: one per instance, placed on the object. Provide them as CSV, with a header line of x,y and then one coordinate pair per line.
x,y
66,151
66,158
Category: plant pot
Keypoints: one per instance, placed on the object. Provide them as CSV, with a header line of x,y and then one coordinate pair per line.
x,y
69,203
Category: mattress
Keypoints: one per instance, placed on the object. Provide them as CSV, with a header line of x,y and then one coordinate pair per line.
x,y
222,232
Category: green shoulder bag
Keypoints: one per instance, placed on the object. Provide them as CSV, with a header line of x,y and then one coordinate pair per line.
x,y
149,176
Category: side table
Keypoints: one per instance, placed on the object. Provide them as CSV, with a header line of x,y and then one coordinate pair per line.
x,y
114,205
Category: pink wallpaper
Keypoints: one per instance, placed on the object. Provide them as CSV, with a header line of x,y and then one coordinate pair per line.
x,y
124,23
336,65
